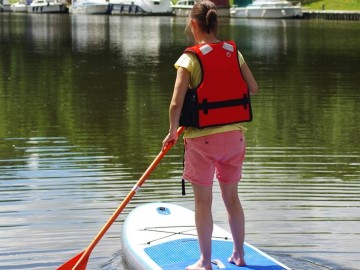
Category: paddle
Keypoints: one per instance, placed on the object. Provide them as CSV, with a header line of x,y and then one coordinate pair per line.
x,y
79,262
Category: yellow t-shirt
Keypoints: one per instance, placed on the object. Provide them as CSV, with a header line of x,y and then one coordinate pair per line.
x,y
191,63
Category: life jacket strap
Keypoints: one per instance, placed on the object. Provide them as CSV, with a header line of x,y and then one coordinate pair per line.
x,y
205,106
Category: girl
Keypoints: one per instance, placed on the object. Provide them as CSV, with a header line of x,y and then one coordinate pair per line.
x,y
214,141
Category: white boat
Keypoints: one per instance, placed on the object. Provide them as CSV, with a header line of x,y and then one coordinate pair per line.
x,y
182,8
89,7
267,10
19,6
47,6
5,6
141,7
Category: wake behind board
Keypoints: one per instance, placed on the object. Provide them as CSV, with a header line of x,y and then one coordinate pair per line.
x,y
163,236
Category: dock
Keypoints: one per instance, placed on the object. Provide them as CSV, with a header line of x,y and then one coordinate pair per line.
x,y
331,15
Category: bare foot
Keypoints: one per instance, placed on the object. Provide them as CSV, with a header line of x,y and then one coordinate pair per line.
x,y
237,259
199,265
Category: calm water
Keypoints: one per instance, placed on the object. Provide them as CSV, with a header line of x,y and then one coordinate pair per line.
x,y
83,111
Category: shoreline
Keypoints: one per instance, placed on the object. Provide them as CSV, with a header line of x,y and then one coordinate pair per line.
x,y
343,15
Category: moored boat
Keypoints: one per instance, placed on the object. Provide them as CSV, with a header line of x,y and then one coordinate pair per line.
x,y
5,6
89,7
47,6
182,8
141,7
19,7
267,10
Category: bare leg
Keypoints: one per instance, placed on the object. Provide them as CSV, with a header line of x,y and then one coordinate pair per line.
x,y
204,226
236,221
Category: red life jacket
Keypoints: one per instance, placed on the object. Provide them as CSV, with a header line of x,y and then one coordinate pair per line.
x,y
222,96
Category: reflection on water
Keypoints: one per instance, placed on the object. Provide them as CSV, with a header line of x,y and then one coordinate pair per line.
x,y
132,36
83,110
267,38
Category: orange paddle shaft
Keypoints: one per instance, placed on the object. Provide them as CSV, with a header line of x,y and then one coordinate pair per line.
x,y
79,262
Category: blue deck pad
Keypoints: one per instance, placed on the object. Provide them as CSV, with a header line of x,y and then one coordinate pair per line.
x,y
178,254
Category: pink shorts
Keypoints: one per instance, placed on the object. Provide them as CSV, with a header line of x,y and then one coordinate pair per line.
x,y
222,153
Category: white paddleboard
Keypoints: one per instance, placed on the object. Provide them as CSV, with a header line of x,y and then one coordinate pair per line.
x,y
163,236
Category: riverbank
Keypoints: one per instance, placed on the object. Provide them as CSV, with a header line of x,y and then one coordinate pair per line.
x,y
332,15
308,12
343,5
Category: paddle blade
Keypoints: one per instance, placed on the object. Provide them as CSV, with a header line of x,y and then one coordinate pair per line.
x,y
75,263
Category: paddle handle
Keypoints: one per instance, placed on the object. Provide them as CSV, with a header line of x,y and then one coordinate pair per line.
x,y
127,199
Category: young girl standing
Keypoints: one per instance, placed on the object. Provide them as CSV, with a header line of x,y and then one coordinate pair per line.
x,y
214,81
